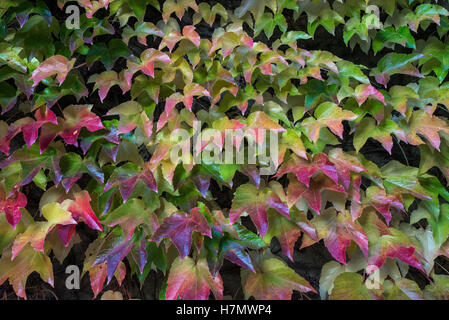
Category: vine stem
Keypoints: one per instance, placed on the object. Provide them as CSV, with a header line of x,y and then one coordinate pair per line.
x,y
447,272
79,66
402,150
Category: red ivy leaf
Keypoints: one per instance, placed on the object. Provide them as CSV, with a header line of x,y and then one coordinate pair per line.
x,y
77,117
304,169
386,243
81,209
345,163
312,193
11,205
179,227
338,230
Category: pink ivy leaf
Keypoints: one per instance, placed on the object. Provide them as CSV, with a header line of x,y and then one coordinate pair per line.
x,y
304,169
387,243
345,163
57,65
382,202
11,205
190,33
81,209
75,118
311,193
338,230
364,91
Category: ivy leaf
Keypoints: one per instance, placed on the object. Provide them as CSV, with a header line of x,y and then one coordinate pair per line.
x,y
189,33
329,115
425,244
103,82
30,161
401,36
223,125
386,243
192,280
312,192
258,122
209,14
142,29
10,55
179,227
11,204
364,91
349,286
292,140
368,128
291,37
437,289
36,233
393,63
80,209
255,202
268,22
288,231
128,176
428,126
382,202
229,40
57,65
109,54
132,115
432,158
139,6
60,249
190,90
170,40
8,96
274,280
423,12
236,253
338,229
438,218
178,7
304,169
399,96
253,6
333,269
29,127
148,59
25,263
109,251
402,289
69,127
77,117
403,179
130,215
345,163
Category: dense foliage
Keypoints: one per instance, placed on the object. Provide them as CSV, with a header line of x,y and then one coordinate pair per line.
x,y
88,116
